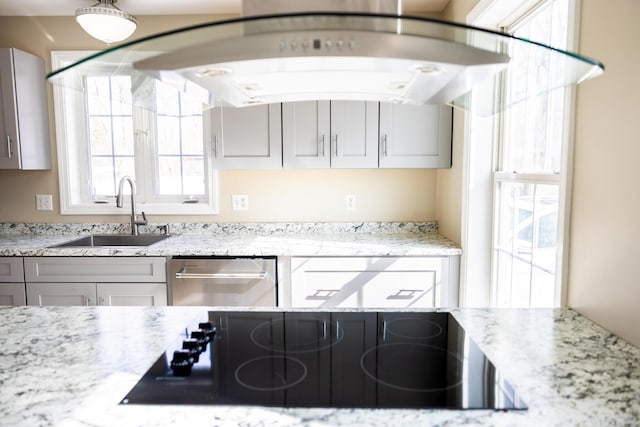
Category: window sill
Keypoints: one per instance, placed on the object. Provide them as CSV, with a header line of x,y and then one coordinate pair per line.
x,y
148,208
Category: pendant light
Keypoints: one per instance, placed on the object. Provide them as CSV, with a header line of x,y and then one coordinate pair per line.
x,y
105,22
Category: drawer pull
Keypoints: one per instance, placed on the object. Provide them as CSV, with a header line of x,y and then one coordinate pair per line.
x,y
182,274
404,294
323,294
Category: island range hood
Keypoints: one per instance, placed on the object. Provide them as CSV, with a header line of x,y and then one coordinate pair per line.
x,y
350,54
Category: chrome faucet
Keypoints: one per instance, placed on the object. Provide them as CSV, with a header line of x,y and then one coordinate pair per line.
x,y
136,220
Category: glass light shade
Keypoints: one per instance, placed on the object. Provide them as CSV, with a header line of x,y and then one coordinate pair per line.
x,y
106,22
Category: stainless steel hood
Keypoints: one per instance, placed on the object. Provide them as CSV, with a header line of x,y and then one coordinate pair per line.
x,y
333,55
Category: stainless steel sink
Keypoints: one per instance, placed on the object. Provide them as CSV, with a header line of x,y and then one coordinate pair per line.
x,y
108,240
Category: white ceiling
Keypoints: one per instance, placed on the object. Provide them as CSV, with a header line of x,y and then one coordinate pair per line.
x,y
163,7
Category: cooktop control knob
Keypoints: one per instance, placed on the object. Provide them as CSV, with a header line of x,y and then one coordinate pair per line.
x,y
195,346
182,363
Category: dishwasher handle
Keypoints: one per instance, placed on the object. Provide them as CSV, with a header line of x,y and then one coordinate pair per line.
x,y
182,274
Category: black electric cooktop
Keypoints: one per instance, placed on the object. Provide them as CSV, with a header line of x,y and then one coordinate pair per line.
x,y
327,359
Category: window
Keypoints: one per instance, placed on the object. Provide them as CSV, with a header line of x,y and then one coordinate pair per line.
x,y
528,188
123,124
516,173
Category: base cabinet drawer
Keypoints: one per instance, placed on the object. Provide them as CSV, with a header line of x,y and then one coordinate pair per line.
x,y
372,282
90,294
95,269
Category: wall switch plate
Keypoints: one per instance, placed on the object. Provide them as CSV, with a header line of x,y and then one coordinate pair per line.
x,y
350,202
240,202
44,202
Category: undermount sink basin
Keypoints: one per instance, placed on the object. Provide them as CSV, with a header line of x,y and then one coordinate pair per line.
x,y
113,240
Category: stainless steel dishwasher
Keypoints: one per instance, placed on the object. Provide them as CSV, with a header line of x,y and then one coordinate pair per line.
x,y
223,281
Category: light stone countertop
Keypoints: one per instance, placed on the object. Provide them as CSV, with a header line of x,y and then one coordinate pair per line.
x,y
397,239
70,366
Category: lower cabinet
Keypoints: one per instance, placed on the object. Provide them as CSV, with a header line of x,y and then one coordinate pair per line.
x,y
374,282
12,294
73,281
295,358
12,290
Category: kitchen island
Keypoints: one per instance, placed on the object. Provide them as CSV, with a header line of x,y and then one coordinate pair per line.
x,y
70,366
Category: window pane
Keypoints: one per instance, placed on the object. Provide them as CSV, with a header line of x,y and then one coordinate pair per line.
x,y
123,135
534,128
192,142
168,135
100,136
526,240
121,95
179,142
167,100
102,176
98,98
193,170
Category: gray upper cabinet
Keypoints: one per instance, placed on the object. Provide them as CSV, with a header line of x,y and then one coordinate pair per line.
x,y
24,123
246,138
330,134
415,136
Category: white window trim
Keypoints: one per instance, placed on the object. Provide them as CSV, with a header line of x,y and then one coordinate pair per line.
x,y
478,185
64,135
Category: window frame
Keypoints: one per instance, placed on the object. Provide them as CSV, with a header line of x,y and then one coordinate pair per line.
x,y
479,176
70,113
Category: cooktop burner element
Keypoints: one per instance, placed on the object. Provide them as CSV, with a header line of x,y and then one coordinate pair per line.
x,y
327,359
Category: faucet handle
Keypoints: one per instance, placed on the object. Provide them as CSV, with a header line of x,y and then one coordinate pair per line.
x,y
142,221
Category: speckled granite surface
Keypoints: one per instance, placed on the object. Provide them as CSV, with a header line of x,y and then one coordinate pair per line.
x,y
71,366
313,239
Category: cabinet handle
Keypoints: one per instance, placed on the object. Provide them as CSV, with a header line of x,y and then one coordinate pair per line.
x,y
322,294
335,147
384,331
324,330
384,145
9,146
215,146
87,301
322,146
182,274
405,294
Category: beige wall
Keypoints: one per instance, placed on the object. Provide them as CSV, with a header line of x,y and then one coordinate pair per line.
x,y
449,185
604,275
274,196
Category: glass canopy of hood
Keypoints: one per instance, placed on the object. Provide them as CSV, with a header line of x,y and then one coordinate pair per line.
x,y
336,56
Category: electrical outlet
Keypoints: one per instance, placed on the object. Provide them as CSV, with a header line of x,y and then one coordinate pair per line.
x,y
44,202
240,202
350,202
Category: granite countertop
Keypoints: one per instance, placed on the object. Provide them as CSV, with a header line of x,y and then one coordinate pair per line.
x,y
71,366
395,239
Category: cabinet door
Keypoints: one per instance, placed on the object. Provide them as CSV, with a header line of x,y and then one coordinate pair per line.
x,y
306,134
11,269
247,137
132,294
308,338
24,118
373,282
356,334
354,134
9,158
415,136
61,294
12,294
251,372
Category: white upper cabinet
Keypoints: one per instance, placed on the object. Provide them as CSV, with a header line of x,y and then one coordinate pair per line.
x,y
246,138
24,123
336,134
415,136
